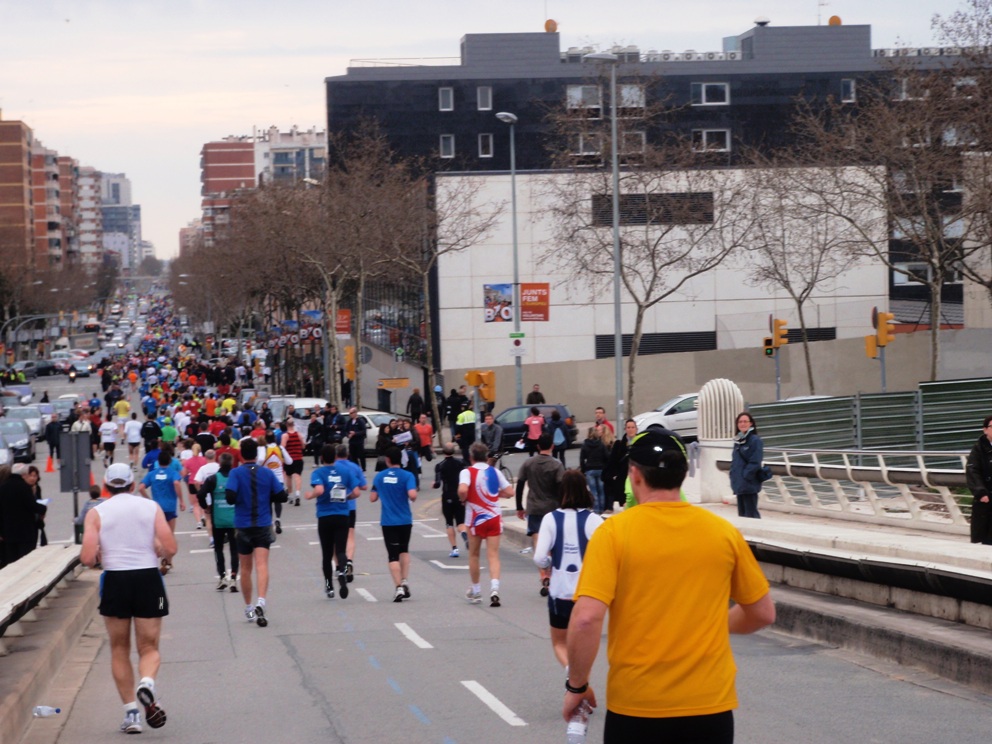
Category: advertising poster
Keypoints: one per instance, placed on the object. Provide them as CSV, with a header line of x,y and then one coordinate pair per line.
x,y
497,303
535,301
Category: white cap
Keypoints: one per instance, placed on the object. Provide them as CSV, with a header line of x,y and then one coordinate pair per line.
x,y
118,475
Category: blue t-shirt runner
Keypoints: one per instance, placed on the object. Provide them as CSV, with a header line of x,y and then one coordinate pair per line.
x,y
392,486
338,482
252,504
396,488
161,481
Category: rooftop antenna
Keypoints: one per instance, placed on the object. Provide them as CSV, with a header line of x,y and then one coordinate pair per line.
x,y
820,5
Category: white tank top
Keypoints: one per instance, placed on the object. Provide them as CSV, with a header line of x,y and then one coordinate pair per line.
x,y
127,532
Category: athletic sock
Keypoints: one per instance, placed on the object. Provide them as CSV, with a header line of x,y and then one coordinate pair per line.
x,y
128,707
260,602
147,681
477,588
495,585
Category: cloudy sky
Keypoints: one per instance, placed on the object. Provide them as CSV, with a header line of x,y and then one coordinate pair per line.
x,y
137,86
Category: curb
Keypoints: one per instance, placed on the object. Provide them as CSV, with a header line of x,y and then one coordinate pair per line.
x,y
37,657
953,651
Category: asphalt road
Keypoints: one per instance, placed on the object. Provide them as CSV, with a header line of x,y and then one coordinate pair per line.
x,y
436,669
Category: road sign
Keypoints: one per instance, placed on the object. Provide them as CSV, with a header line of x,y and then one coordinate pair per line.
x,y
394,383
517,335
517,351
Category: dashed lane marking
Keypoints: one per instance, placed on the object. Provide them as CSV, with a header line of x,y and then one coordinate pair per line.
x,y
494,703
412,635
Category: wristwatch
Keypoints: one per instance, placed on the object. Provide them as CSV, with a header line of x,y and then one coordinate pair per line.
x,y
576,690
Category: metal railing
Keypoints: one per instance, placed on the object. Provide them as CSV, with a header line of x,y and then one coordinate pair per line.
x,y
914,489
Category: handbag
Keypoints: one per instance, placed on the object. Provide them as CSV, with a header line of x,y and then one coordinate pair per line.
x,y
764,473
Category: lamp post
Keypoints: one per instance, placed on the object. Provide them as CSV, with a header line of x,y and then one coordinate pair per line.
x,y
614,60
511,119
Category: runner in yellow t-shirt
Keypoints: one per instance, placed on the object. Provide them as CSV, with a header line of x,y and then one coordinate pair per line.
x,y
122,410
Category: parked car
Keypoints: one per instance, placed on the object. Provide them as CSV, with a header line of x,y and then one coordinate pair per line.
x,y
28,368
678,414
20,439
46,368
373,420
302,406
512,421
6,457
31,415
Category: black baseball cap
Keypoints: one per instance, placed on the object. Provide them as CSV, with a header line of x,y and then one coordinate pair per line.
x,y
648,449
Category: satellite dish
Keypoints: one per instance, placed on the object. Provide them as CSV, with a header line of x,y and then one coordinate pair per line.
x,y
551,25
834,21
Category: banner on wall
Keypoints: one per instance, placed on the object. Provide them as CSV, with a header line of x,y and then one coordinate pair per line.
x,y
535,301
497,303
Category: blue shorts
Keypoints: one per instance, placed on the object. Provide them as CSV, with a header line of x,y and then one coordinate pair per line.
x,y
169,516
534,524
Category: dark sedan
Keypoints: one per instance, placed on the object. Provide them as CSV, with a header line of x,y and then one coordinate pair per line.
x,y
512,421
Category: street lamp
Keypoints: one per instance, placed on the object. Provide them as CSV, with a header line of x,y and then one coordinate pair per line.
x,y
613,61
511,119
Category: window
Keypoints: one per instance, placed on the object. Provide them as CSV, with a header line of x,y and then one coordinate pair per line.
x,y
631,100
710,94
848,91
920,273
447,146
910,89
711,140
633,143
485,145
959,136
586,144
446,99
588,97
691,208
484,97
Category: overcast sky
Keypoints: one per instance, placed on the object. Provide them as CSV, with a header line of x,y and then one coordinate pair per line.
x,y
137,86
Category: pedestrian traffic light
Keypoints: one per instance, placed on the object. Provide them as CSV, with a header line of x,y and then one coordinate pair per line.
x,y
474,378
349,362
883,331
769,346
871,347
487,386
780,333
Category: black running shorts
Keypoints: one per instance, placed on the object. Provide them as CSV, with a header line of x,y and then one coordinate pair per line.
x,y
295,468
249,538
454,513
136,593
397,539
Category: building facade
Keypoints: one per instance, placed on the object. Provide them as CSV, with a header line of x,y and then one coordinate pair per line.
x,y
17,238
49,228
90,217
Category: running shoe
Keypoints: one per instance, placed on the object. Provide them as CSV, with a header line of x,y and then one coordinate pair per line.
x,y
250,614
343,584
260,620
350,570
329,588
278,527
234,583
132,722
399,594
154,715
297,502
454,553
211,542
494,599
545,583
406,589
222,584
203,522
473,597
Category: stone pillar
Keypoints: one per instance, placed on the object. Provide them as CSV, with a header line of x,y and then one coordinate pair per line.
x,y
719,403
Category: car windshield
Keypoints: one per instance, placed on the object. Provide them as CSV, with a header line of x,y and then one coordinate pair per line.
x,y
513,416
380,418
23,413
13,427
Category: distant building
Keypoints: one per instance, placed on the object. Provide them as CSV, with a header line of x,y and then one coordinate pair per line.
x,y
69,202
120,218
90,218
49,229
17,240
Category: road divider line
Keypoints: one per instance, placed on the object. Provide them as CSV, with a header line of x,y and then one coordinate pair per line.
x,y
453,568
380,537
412,635
432,535
493,703
202,550
366,595
314,542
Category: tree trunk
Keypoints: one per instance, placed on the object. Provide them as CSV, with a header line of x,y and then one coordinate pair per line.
x,y
935,300
333,383
356,384
431,372
635,345
809,363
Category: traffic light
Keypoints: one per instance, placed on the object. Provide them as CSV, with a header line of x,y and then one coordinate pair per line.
x,y
883,331
349,362
871,347
769,346
473,377
780,333
487,386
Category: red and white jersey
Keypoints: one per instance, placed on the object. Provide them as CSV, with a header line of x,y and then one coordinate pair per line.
x,y
484,484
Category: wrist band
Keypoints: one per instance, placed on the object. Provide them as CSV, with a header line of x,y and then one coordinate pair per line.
x,y
576,690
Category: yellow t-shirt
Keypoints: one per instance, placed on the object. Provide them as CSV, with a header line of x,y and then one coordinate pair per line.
x,y
122,408
667,571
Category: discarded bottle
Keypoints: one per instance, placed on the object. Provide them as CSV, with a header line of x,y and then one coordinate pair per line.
x,y
578,724
44,711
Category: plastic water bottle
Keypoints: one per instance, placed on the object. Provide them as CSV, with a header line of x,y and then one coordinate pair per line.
x,y
44,711
578,724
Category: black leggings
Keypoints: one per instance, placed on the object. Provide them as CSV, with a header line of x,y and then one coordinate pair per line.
x,y
333,533
717,728
220,535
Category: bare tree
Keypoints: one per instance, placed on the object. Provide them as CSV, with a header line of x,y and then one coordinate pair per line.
x,y
911,132
794,247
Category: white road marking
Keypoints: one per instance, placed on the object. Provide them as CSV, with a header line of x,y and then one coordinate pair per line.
x,y
494,703
453,568
429,536
207,550
366,595
375,538
434,532
412,635
315,542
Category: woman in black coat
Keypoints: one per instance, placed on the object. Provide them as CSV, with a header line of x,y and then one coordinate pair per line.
x,y
615,473
745,462
979,478
20,514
